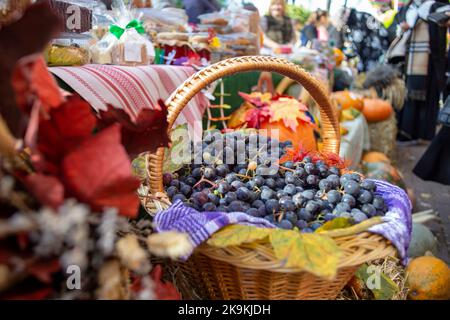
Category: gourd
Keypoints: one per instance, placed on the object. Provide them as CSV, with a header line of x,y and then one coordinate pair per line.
x,y
374,156
428,279
376,110
347,99
422,240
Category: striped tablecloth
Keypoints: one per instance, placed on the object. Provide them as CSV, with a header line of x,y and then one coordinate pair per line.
x,y
132,88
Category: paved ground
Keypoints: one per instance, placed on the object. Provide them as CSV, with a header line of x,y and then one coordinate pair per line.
x,y
429,195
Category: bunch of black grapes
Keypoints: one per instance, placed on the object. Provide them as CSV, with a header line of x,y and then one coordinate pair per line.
x,y
302,195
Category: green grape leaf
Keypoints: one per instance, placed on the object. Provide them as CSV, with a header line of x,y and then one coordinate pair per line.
x,y
237,234
311,252
337,223
382,287
179,153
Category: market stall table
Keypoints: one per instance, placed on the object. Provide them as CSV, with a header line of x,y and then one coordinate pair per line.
x,y
131,88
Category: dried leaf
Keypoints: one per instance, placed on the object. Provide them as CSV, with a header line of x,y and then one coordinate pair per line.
x,y
179,153
238,117
48,190
43,269
290,111
132,255
68,126
32,80
98,173
24,37
113,282
258,99
382,287
144,134
163,291
254,117
337,223
237,234
169,244
311,252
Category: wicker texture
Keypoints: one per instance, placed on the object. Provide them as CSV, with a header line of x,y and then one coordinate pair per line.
x,y
207,76
251,271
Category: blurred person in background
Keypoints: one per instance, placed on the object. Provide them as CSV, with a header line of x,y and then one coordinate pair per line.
x,y
322,25
425,66
195,8
277,26
309,32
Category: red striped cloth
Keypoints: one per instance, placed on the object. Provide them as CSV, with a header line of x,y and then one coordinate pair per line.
x,y
132,88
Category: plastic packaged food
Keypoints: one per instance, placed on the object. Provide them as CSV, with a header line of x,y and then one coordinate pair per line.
x,y
215,18
126,43
69,50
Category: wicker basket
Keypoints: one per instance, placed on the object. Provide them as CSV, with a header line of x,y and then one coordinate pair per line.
x,y
251,271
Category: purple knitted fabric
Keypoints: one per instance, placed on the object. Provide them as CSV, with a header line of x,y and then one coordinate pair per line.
x,y
201,225
398,226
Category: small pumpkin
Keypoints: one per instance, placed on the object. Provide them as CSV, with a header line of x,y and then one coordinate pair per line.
x,y
303,136
374,156
428,279
422,240
376,110
384,171
347,99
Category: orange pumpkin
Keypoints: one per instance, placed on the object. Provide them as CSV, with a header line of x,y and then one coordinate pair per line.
x,y
376,110
428,279
374,156
303,135
347,99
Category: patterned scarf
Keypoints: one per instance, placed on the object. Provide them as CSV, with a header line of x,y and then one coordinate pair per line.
x,y
418,54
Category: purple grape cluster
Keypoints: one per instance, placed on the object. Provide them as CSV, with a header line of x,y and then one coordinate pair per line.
x,y
302,195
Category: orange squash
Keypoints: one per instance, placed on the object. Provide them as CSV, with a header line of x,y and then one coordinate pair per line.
x,y
374,156
376,110
428,279
303,135
347,99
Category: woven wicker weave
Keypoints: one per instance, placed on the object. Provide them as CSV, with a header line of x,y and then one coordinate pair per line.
x,y
251,271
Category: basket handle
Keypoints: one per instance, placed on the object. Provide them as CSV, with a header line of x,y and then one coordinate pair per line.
x,y
181,97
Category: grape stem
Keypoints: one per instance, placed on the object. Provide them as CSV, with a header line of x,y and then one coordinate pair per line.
x,y
203,179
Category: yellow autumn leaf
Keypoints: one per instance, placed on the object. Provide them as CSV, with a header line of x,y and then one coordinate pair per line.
x,y
238,117
264,97
290,111
311,252
237,234
337,223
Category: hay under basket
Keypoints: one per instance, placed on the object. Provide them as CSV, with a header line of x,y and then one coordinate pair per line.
x,y
251,271
383,137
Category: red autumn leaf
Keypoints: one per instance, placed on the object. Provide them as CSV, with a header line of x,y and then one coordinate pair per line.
x,y
144,134
32,80
24,37
255,116
163,291
66,128
44,269
25,293
257,99
98,173
48,190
